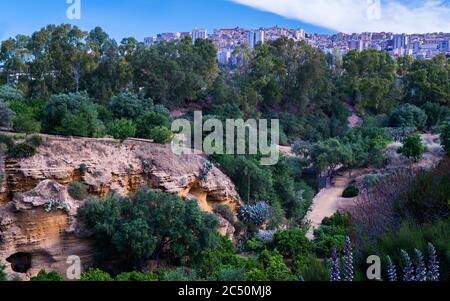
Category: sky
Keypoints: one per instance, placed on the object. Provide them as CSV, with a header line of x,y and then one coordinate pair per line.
x,y
143,18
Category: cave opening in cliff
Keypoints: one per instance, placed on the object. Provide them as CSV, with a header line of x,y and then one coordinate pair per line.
x,y
20,262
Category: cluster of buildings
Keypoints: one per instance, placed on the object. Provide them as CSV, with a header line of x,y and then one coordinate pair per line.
x,y
229,41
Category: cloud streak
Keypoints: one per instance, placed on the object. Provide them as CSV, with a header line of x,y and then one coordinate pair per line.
x,y
362,15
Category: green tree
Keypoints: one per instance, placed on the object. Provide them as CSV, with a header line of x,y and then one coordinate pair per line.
x,y
150,120
121,129
6,115
26,124
292,243
151,225
408,115
329,154
47,276
8,93
130,106
412,147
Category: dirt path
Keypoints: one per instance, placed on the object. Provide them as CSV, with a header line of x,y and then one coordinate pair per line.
x,y
327,202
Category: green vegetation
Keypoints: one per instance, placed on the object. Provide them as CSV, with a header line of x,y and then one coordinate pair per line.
x,y
350,192
2,273
95,275
47,276
408,115
445,138
78,191
22,151
413,147
150,225
121,129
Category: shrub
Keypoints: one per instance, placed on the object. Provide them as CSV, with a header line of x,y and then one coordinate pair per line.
x,y
83,169
26,124
122,129
350,192
8,92
408,115
129,106
78,191
292,243
47,276
150,120
22,151
136,277
179,274
95,275
225,212
7,140
412,147
310,268
331,234
161,134
275,267
150,225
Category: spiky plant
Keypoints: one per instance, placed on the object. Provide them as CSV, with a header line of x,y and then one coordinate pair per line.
x,y
433,264
256,214
334,267
408,267
421,269
347,264
391,270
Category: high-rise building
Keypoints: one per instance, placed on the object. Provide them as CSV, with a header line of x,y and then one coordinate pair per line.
x,y
199,33
400,41
444,45
357,45
255,37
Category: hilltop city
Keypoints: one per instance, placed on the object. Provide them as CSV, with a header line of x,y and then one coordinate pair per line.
x,y
228,40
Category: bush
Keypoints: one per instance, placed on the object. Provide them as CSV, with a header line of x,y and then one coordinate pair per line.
x,y
78,191
274,266
150,225
412,147
7,140
350,192
161,135
179,274
331,234
310,268
408,115
292,243
50,276
225,212
8,92
122,129
136,277
95,275
150,120
22,151
26,124
129,106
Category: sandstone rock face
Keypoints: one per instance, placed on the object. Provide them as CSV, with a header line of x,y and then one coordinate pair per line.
x,y
39,228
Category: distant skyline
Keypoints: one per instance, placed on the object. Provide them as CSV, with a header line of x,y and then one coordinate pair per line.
x,y
139,18
143,18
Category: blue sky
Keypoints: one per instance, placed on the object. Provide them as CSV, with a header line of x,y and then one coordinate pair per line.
x,y
139,18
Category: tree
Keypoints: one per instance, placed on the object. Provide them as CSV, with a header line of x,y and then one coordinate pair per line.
x,y
130,106
150,120
369,81
408,115
329,154
26,124
292,243
150,225
121,129
8,93
412,147
445,138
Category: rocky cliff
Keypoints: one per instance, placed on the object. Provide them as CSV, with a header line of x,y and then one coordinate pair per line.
x,y
39,228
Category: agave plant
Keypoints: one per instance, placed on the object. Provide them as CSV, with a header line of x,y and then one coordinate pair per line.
x,y
256,214
408,267
334,267
347,257
433,264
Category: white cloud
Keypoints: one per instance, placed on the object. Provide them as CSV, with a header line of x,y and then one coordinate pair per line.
x,y
361,15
